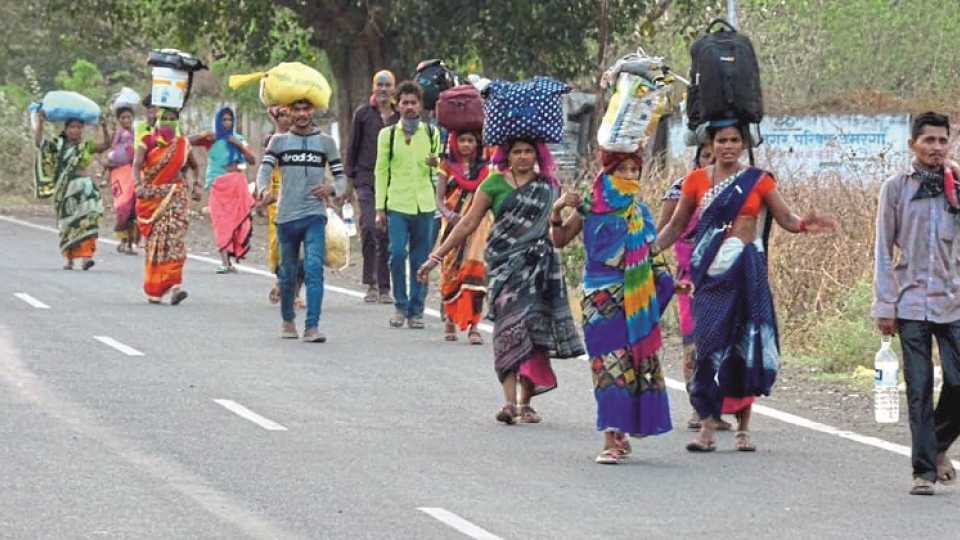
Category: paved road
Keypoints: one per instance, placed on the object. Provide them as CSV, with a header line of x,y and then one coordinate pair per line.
x,y
379,424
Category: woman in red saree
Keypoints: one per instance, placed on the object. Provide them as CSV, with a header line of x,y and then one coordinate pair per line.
x,y
463,281
163,155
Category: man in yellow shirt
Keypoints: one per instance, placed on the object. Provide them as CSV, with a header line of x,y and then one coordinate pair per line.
x,y
406,200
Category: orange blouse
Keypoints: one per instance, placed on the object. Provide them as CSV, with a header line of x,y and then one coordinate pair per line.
x,y
698,183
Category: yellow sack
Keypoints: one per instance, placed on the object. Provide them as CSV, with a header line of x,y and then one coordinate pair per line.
x,y
337,242
287,83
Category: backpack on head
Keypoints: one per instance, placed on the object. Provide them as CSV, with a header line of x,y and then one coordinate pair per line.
x,y
724,78
434,77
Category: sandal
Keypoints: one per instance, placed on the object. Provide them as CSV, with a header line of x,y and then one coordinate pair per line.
x,y
178,297
274,295
474,337
223,269
694,423
742,442
508,414
609,456
450,332
68,266
397,320
372,296
121,248
529,416
921,486
698,446
87,264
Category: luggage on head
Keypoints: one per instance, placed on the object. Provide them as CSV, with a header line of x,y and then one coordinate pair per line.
x,y
288,83
434,77
724,78
126,98
524,110
172,77
460,109
63,105
642,86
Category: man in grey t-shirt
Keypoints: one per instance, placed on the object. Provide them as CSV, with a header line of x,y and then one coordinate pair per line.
x,y
303,154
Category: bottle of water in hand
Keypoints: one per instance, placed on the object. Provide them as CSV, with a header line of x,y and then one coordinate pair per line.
x,y
886,396
347,212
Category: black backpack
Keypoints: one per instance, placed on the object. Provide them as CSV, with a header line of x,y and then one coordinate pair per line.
x,y
724,78
434,77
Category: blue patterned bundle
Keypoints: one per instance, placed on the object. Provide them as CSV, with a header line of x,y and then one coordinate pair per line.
x,y
524,110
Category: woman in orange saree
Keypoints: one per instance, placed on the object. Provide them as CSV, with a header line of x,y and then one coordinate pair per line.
x,y
163,156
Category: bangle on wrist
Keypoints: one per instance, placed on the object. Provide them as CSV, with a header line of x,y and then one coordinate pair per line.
x,y
434,258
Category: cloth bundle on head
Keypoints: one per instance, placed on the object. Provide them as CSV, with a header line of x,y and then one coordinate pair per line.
x,y
288,83
63,106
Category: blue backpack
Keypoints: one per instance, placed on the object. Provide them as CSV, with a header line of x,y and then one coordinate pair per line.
x,y
524,110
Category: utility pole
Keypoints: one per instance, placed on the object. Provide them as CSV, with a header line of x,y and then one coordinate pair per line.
x,y
732,13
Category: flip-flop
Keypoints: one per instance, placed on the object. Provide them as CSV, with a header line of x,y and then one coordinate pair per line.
x,y
178,297
223,269
508,415
609,456
475,338
88,264
699,447
742,442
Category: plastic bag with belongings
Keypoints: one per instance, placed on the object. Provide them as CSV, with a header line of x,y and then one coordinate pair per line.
x,y
633,113
126,98
337,242
63,105
288,83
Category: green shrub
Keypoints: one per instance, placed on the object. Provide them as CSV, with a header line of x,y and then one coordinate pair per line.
x,y
841,342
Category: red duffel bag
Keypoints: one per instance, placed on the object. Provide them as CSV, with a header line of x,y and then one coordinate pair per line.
x,y
460,109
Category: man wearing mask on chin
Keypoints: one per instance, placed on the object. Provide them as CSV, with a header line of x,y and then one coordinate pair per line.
x,y
406,162
302,153
361,156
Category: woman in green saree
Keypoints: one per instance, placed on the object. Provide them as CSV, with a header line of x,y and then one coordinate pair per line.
x,y
61,173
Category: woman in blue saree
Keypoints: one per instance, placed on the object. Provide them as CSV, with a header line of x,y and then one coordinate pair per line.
x,y
736,334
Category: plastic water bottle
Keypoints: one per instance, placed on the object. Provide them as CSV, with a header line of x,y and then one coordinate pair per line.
x,y
886,397
347,212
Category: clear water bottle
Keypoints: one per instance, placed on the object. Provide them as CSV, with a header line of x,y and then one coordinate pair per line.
x,y
886,396
347,212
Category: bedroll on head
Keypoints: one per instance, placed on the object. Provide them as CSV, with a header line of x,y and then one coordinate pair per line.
x,y
288,83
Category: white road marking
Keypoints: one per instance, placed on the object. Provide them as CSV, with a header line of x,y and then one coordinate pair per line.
x,y
125,349
31,300
762,410
247,414
449,518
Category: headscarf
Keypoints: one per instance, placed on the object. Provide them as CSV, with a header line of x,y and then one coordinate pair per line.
x,y
222,133
545,162
467,180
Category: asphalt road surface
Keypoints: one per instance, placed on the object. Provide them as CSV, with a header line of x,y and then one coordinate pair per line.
x,y
121,419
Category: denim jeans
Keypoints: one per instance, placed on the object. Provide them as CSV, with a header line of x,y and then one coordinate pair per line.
x,y
413,232
932,430
309,231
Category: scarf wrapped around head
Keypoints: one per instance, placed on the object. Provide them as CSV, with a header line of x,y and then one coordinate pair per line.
x,y
220,132
468,180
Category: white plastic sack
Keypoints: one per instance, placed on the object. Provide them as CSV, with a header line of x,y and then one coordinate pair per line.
x,y
125,98
337,242
632,114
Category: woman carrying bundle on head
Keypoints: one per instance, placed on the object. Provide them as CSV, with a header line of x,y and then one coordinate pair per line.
x,y
230,199
62,172
736,329
526,289
159,168
621,312
120,164
463,273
